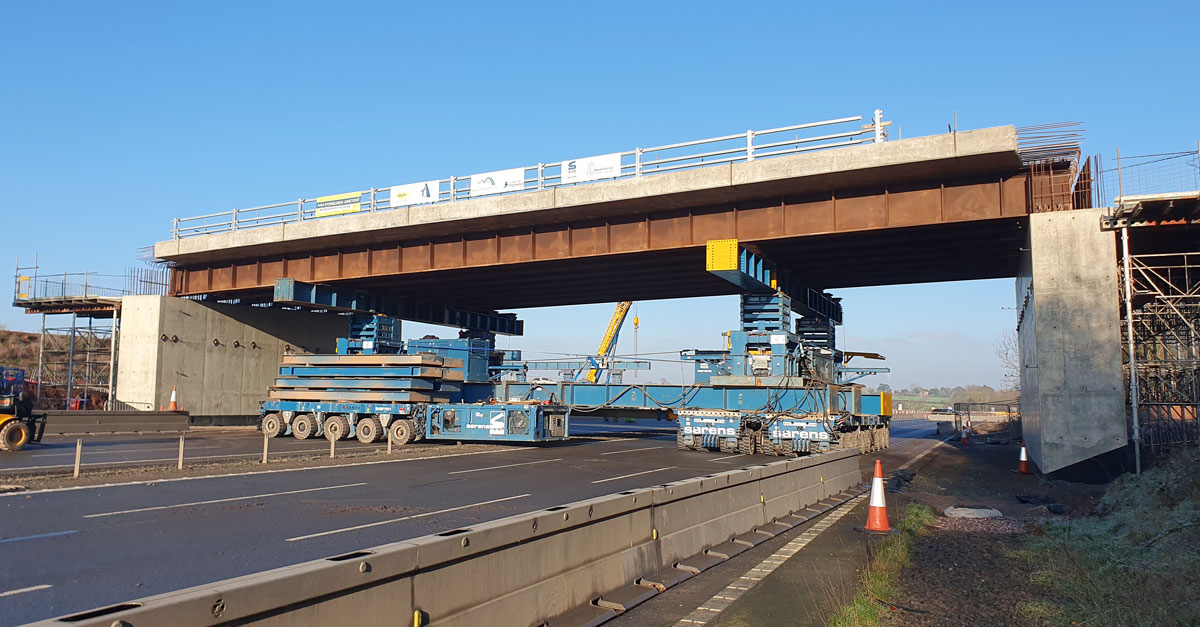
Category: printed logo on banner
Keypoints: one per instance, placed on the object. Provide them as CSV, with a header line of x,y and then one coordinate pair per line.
x,y
414,194
592,168
338,204
498,182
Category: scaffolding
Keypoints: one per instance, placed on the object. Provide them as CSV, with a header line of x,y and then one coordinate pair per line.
x,y
80,331
1164,310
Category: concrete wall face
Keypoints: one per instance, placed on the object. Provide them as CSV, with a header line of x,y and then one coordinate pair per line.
x,y
221,358
1073,400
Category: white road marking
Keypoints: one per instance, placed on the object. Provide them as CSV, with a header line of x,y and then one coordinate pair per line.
x,y
644,472
634,450
543,461
228,500
729,457
396,520
39,536
722,600
727,596
24,590
247,474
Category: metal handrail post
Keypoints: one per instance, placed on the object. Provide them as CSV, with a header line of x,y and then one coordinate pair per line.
x,y
541,177
749,145
877,121
453,181
299,209
233,220
175,228
372,205
637,162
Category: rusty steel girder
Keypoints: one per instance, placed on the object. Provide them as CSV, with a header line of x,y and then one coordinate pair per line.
x,y
769,221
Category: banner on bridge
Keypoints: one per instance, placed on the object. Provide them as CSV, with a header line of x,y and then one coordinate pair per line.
x,y
338,204
591,168
498,182
414,194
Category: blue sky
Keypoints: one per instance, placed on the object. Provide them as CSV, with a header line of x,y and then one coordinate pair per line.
x,y
119,116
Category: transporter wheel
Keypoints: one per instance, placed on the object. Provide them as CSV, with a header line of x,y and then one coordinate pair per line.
x,y
746,444
402,431
683,442
337,428
273,426
14,435
303,427
368,430
727,446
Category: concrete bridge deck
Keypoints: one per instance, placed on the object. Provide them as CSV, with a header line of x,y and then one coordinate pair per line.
x,y
944,207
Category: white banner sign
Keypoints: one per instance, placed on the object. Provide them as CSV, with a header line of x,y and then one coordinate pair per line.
x,y
498,182
414,194
591,168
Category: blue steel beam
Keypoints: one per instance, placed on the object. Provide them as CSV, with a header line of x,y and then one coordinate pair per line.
x,y
293,292
755,274
613,364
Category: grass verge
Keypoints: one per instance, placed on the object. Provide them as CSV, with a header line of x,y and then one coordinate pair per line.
x,y
1135,562
881,576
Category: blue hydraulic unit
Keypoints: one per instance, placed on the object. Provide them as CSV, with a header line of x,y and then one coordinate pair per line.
x,y
779,385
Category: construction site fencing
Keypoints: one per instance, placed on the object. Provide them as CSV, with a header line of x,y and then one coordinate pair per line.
x,y
31,286
1138,175
748,146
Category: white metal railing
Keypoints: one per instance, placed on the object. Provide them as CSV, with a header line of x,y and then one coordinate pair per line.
x,y
747,146
29,286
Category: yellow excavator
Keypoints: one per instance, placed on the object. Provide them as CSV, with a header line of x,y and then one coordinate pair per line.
x,y
598,363
18,424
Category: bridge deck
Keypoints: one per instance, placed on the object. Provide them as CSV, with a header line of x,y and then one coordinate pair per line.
x,y
944,207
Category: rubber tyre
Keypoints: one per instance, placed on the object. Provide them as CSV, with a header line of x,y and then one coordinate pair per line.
x,y
682,441
303,427
14,435
337,428
746,444
273,425
367,430
402,431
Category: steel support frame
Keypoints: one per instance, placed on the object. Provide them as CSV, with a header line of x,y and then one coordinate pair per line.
x,y
1162,341
755,274
78,359
293,292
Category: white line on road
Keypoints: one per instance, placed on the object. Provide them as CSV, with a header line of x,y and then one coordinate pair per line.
x,y
634,450
228,500
644,472
278,455
544,461
39,536
24,590
729,457
247,474
396,520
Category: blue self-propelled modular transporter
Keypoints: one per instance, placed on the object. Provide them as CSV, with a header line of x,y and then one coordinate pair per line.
x,y
779,386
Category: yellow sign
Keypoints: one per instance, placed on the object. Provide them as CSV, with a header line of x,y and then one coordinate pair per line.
x,y
338,204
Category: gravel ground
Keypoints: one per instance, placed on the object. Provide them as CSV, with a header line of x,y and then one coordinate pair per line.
x,y
966,571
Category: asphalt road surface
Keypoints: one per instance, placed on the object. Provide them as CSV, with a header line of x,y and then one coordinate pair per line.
x,y
220,445
73,549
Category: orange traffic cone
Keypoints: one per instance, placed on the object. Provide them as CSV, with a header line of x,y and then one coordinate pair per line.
x,y
172,406
964,434
1023,461
877,520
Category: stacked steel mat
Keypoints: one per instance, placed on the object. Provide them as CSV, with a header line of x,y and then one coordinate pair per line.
x,y
368,378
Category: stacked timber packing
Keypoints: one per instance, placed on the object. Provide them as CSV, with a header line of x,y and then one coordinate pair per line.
x,y
368,378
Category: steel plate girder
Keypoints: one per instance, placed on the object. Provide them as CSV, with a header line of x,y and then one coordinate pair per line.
x,y
293,292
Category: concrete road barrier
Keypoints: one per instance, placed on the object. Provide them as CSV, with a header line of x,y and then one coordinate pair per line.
x,y
572,564
86,422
